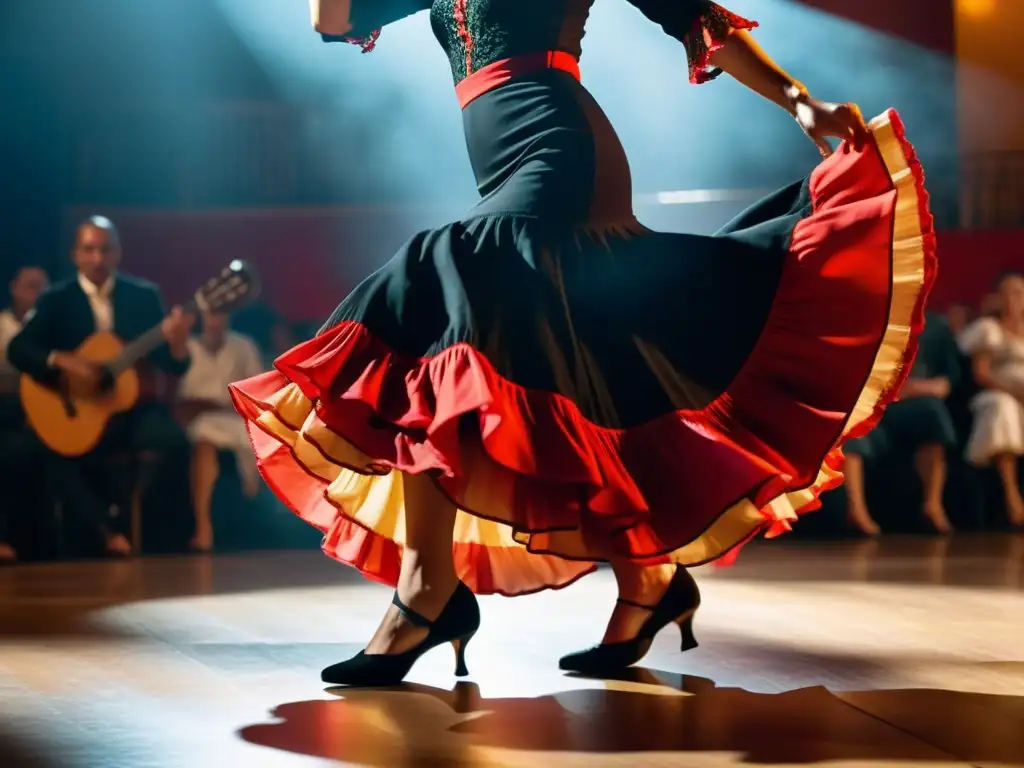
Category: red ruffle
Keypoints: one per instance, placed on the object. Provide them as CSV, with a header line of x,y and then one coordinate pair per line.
x,y
647,490
708,34
366,44
505,571
829,187
834,183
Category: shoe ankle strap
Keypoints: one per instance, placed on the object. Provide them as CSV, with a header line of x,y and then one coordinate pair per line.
x,y
635,604
414,618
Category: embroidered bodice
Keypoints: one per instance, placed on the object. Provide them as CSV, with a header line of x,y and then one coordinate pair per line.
x,y
475,33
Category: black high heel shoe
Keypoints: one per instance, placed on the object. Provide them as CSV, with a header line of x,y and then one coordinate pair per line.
x,y
457,624
677,606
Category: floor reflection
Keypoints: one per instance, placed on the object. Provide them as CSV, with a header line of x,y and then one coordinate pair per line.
x,y
971,560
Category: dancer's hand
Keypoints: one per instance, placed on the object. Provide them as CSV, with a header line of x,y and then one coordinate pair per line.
x,y
822,120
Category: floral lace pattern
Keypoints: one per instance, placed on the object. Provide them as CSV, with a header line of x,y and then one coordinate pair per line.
x,y
464,35
366,44
709,33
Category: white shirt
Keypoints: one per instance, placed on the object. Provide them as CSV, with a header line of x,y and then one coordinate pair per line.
x,y
211,371
207,379
100,301
9,328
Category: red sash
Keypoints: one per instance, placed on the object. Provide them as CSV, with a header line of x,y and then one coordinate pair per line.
x,y
500,72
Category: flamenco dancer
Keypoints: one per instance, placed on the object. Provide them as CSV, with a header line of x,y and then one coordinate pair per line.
x,y
546,384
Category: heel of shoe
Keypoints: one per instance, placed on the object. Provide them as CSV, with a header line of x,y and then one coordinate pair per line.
x,y
685,624
459,644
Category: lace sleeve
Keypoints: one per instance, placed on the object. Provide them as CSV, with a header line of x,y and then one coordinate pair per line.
x,y
369,16
701,25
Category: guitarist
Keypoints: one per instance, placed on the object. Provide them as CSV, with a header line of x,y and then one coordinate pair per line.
x,y
99,298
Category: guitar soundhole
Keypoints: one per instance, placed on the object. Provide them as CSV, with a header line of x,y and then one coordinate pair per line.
x,y
65,399
107,380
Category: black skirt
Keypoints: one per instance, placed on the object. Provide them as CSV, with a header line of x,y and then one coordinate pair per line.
x,y
582,387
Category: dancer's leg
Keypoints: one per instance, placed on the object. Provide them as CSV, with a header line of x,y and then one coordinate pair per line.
x,y
427,578
1006,465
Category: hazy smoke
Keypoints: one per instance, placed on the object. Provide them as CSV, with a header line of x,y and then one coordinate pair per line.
x,y
392,125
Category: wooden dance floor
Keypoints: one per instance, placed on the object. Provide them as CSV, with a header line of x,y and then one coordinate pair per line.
x,y
902,652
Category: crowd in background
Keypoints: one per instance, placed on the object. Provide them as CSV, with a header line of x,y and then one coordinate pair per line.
x,y
175,472
943,458
946,455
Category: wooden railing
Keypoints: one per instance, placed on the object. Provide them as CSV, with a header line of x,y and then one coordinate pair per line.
x,y
992,191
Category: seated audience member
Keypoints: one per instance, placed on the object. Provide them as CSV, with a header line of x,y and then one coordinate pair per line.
x,y
99,298
996,348
919,424
990,303
958,316
219,357
19,449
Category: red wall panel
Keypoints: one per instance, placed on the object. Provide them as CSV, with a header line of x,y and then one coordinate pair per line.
x,y
310,258
970,262
928,23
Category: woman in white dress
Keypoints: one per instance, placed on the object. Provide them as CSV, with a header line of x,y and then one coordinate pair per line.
x,y
996,347
219,357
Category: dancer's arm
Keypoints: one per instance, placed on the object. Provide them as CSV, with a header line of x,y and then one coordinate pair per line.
x,y
717,40
331,17
359,21
742,58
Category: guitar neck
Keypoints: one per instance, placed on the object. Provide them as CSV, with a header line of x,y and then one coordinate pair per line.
x,y
142,346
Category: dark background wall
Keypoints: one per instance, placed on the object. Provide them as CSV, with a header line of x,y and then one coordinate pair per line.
x,y
928,23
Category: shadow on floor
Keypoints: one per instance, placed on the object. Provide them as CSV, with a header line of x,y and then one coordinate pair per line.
x,y
19,754
641,713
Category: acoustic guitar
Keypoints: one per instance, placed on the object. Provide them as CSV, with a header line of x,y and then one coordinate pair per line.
x,y
71,423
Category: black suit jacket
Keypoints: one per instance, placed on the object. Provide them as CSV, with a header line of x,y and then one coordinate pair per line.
x,y
938,353
63,319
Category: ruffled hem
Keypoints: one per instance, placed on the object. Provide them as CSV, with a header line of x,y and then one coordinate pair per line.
x,y
543,493
708,35
357,502
914,267
366,43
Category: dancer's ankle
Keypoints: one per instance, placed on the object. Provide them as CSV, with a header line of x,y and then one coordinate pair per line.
x,y
430,589
426,593
642,583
